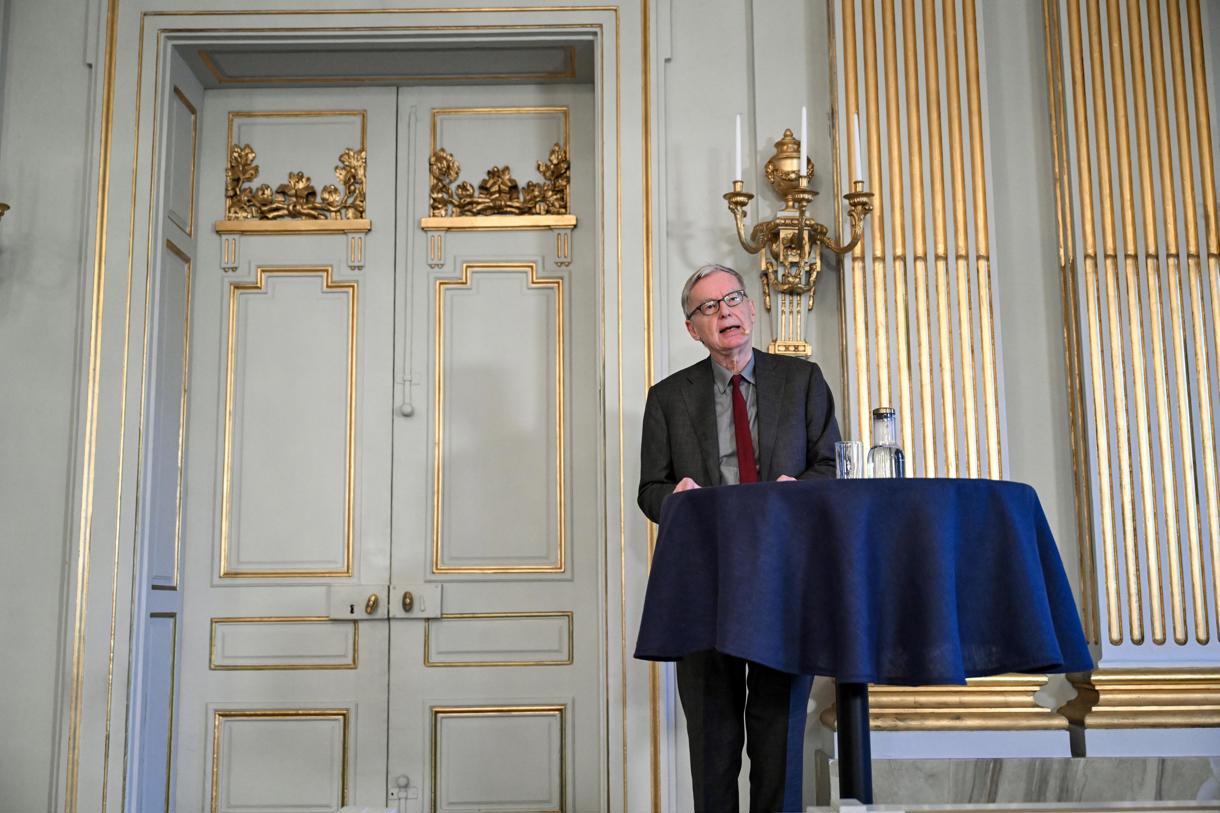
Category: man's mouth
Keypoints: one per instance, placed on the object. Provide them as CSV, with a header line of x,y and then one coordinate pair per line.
x,y
729,329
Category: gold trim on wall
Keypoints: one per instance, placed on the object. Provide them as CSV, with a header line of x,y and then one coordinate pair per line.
x,y
534,282
1207,173
568,72
190,220
942,370
277,619
1145,698
1154,561
1117,351
498,222
258,286
1068,286
565,614
1000,702
220,715
84,545
558,710
1202,394
353,226
919,233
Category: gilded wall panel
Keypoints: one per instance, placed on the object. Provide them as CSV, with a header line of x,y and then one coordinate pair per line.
x,y
919,324
1139,248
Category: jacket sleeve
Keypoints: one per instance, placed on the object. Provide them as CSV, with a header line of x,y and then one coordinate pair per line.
x,y
821,428
657,479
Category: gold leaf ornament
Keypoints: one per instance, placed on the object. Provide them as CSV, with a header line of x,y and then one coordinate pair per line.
x,y
499,193
296,198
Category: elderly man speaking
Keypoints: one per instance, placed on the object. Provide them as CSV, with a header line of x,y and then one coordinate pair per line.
x,y
739,416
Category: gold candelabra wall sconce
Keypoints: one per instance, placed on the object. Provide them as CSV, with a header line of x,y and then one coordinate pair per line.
x,y
4,207
790,244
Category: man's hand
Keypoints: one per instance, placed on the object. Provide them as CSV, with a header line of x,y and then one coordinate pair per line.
x,y
784,478
685,484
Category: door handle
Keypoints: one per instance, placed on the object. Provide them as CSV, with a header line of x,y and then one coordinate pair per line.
x,y
358,602
416,601
375,602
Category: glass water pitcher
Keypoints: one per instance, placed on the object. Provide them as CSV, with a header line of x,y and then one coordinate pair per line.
x,y
885,459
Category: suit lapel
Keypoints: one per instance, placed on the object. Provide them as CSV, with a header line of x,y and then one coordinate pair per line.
x,y
699,403
770,385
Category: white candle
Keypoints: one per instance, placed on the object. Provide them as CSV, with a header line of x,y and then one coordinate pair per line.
x,y
855,133
804,148
737,174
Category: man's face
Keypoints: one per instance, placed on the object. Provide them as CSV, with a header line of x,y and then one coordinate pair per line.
x,y
728,329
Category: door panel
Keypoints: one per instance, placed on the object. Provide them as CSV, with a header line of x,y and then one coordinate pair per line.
x,y
357,425
496,704
288,470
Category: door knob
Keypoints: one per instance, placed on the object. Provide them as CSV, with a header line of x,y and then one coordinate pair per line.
x,y
370,606
408,601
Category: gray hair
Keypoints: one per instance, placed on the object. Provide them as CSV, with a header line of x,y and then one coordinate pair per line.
x,y
701,272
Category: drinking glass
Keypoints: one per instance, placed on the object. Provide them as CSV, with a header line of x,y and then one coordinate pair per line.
x,y
849,459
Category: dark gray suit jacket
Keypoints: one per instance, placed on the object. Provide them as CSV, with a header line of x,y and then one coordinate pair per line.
x,y
796,427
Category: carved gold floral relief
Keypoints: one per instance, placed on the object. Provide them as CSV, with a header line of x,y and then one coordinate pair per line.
x,y
499,193
297,198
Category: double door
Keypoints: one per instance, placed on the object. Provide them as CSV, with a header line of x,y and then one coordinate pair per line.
x,y
391,569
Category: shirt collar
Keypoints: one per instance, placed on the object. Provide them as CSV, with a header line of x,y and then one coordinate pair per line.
x,y
722,376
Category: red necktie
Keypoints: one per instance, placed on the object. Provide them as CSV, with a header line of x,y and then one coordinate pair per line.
x,y
746,467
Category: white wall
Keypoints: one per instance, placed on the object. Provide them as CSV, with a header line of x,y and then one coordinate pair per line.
x,y
720,58
44,110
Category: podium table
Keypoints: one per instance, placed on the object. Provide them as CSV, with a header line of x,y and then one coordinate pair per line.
x,y
905,582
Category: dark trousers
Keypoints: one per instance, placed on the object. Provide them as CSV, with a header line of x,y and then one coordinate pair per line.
x,y
729,701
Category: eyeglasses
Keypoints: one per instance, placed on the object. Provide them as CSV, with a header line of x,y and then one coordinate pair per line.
x,y
712,306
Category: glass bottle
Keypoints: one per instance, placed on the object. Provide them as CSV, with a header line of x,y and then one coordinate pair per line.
x,y
885,459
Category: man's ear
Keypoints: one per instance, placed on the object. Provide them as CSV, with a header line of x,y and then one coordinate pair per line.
x,y
691,330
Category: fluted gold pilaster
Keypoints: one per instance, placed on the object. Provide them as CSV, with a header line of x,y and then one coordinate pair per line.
x,y
918,299
1140,223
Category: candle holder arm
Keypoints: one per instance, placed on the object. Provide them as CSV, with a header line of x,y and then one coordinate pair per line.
x,y
738,201
859,206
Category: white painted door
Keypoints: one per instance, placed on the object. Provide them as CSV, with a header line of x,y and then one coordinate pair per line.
x,y
499,704
288,471
360,419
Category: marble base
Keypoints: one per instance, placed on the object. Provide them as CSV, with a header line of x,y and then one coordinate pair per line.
x,y
1041,780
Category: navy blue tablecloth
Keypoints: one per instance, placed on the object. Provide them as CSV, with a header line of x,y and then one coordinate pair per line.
x,y
907,582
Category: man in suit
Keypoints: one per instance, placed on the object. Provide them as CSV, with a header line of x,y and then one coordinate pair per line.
x,y
702,426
